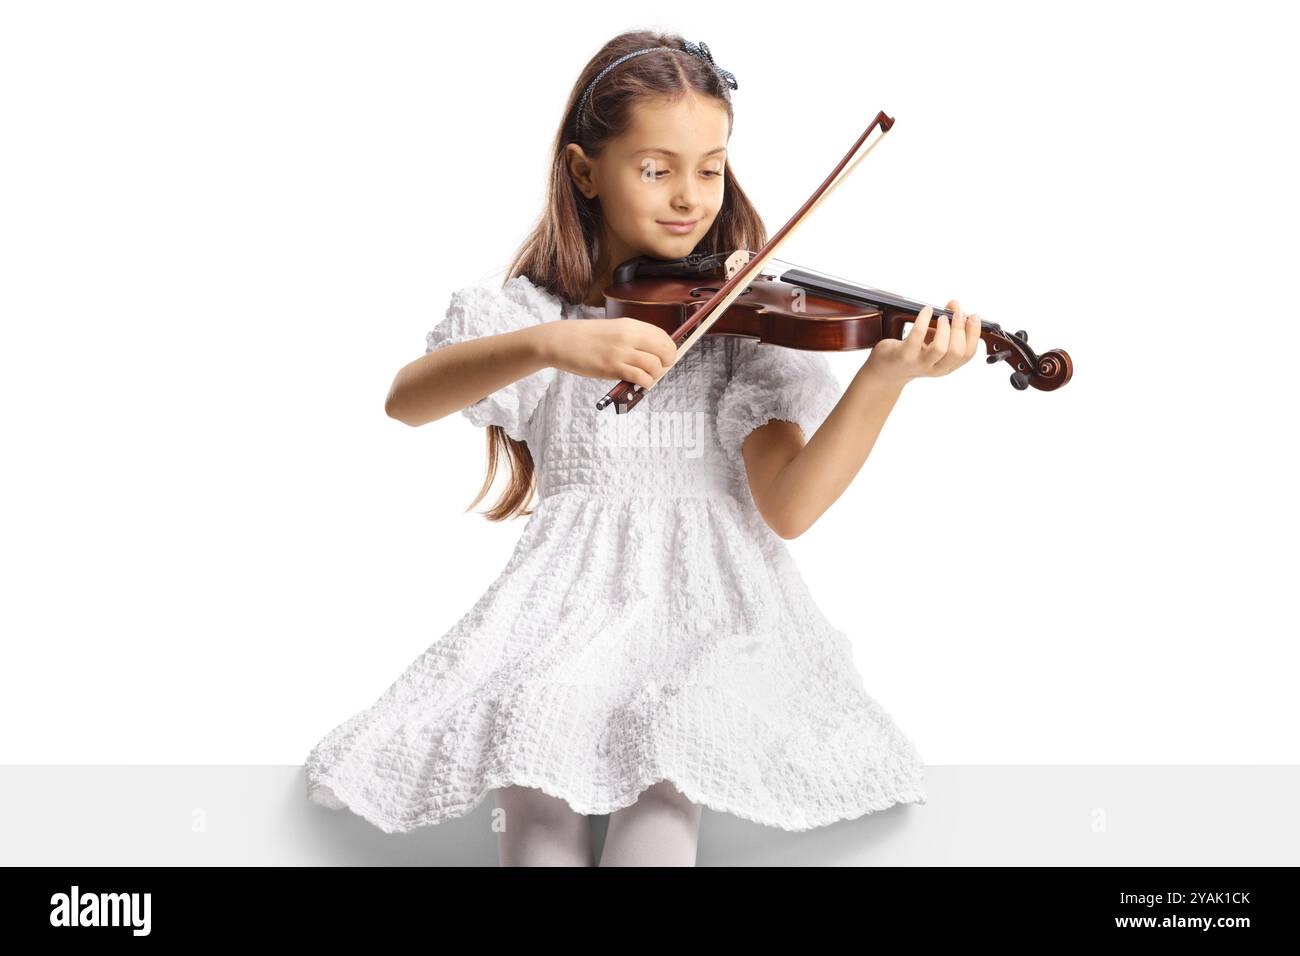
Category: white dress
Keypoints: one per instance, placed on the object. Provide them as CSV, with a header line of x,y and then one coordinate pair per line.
x,y
649,624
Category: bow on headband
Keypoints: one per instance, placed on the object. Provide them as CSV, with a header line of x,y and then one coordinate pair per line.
x,y
701,50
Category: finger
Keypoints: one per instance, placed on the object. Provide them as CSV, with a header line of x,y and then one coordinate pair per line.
x,y
957,345
949,358
662,344
916,337
939,347
966,340
973,327
652,339
635,374
954,307
649,361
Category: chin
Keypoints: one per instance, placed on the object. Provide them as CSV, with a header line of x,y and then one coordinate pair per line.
x,y
682,247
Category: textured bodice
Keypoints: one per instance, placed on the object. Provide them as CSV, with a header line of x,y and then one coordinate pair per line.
x,y
667,445
682,440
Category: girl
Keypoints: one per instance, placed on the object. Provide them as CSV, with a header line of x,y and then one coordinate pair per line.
x,y
650,648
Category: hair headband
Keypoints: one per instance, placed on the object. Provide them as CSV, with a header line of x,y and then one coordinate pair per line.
x,y
700,50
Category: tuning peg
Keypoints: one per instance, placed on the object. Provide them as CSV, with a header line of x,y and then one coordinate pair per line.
x,y
1022,335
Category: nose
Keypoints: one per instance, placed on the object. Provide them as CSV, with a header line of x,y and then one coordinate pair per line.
x,y
685,200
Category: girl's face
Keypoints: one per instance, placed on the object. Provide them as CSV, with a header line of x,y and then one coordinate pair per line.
x,y
667,168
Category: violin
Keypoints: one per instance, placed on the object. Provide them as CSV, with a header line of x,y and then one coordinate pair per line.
x,y
799,308
755,295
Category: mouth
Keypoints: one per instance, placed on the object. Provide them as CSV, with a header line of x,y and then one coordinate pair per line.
x,y
678,227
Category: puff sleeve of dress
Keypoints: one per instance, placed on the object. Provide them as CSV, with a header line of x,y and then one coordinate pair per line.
x,y
772,382
476,311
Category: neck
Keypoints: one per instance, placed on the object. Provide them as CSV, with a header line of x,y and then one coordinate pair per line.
x,y
613,252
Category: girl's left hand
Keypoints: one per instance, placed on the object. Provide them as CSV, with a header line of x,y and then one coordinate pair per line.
x,y
901,360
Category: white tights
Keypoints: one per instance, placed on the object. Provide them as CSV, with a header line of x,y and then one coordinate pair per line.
x,y
660,829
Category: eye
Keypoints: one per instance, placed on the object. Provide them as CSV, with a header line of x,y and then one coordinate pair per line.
x,y
708,172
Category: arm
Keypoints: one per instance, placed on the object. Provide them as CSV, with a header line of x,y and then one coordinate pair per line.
x,y
455,376
793,483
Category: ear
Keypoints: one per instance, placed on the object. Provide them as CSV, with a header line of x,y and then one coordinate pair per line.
x,y
581,169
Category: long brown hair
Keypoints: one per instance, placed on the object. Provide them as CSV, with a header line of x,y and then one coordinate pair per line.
x,y
560,253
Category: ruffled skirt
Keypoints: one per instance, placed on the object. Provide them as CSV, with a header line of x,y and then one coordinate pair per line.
x,y
629,640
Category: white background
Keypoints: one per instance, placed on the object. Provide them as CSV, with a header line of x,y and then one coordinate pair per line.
x,y
225,227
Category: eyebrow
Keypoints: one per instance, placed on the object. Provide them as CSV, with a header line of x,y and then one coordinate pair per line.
x,y
669,152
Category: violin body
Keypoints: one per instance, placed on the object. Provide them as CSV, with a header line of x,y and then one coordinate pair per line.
x,y
763,311
793,307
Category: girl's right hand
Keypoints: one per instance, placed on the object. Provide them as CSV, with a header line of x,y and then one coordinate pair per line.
x,y
623,348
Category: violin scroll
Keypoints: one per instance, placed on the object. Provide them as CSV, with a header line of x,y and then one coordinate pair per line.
x,y
1046,372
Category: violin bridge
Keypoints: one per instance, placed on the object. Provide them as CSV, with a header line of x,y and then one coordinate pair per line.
x,y
736,261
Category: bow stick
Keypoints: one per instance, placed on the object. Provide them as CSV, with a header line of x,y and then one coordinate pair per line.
x,y
743,270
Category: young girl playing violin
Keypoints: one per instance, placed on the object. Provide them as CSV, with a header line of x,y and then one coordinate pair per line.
x,y
650,648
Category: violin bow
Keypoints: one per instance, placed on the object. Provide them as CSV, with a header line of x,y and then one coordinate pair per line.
x,y
743,269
